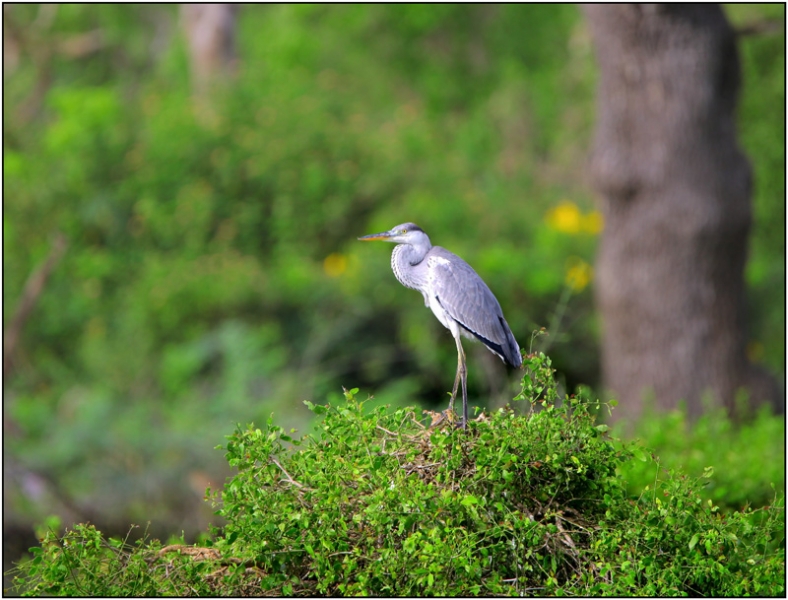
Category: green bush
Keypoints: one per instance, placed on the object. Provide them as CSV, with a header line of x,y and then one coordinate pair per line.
x,y
376,503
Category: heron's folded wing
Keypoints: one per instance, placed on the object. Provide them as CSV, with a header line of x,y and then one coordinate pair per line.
x,y
468,300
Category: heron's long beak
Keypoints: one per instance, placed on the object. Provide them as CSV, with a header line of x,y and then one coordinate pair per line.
x,y
385,236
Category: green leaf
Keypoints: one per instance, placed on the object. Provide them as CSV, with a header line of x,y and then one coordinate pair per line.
x,y
469,500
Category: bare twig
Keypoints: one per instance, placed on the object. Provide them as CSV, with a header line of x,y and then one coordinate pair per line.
x,y
570,521
83,44
45,18
411,466
196,552
765,26
287,475
386,430
565,536
30,294
32,39
415,420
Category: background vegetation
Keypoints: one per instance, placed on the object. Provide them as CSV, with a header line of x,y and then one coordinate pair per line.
x,y
212,275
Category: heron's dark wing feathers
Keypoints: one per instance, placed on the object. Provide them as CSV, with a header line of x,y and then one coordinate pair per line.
x,y
468,300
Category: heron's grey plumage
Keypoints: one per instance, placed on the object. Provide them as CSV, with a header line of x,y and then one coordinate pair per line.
x,y
454,292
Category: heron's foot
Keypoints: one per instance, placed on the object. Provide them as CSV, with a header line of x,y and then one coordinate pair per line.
x,y
482,418
450,416
439,418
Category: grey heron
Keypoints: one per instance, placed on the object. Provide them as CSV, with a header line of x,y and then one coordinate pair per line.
x,y
457,296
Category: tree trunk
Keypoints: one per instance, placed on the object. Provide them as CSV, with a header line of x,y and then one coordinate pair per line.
x,y
675,188
210,29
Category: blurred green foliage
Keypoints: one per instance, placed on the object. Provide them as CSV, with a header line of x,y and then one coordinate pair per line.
x,y
745,457
763,69
212,274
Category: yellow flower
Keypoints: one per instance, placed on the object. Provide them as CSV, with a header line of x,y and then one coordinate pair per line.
x,y
564,218
593,222
335,265
578,274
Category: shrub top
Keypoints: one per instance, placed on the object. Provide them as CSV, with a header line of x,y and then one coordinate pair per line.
x,y
378,503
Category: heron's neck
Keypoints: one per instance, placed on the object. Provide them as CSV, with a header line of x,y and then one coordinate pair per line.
x,y
403,260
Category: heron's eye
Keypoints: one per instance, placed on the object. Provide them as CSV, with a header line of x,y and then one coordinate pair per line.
x,y
403,231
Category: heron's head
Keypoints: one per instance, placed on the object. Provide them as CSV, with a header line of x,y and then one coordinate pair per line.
x,y
407,233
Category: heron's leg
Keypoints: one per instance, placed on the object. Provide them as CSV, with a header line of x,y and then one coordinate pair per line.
x,y
464,375
461,376
456,383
